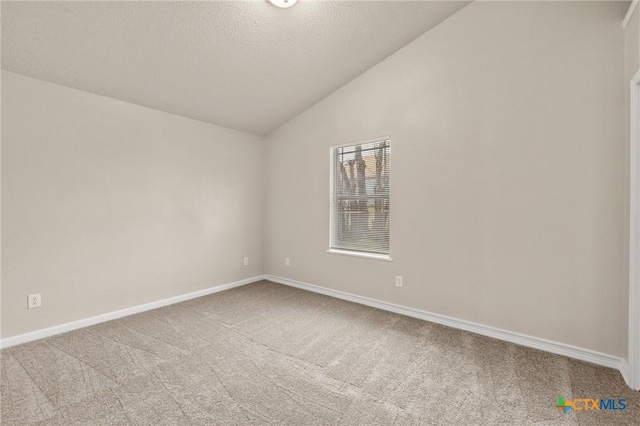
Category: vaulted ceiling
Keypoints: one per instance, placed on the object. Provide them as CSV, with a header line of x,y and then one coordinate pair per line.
x,y
246,65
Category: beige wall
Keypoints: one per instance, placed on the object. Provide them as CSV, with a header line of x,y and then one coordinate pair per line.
x,y
0,215
107,205
508,184
632,64
507,173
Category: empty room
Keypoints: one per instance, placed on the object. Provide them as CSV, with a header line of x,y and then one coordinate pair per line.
x,y
307,212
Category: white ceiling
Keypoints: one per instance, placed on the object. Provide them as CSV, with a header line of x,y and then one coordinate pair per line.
x,y
246,65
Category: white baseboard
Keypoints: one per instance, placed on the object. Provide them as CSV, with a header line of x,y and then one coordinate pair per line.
x,y
63,328
624,370
570,351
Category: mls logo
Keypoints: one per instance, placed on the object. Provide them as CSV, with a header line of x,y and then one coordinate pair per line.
x,y
590,404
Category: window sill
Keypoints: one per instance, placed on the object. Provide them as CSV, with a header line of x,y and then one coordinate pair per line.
x,y
373,256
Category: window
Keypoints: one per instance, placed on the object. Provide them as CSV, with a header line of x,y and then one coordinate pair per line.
x,y
360,198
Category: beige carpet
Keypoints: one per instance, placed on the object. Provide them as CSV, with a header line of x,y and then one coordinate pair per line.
x,y
270,354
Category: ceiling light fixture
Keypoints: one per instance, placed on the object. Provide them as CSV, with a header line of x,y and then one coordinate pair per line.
x,y
283,3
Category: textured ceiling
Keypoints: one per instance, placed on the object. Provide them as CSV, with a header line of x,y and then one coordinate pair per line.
x,y
246,65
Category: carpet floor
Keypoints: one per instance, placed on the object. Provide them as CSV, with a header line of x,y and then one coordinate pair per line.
x,y
270,354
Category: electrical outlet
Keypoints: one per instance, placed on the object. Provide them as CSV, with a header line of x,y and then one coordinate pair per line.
x,y
246,261
34,301
287,261
398,281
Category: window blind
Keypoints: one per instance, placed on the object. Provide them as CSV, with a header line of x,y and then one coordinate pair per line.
x,y
360,198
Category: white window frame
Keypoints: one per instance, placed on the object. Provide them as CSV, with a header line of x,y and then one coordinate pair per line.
x,y
353,253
